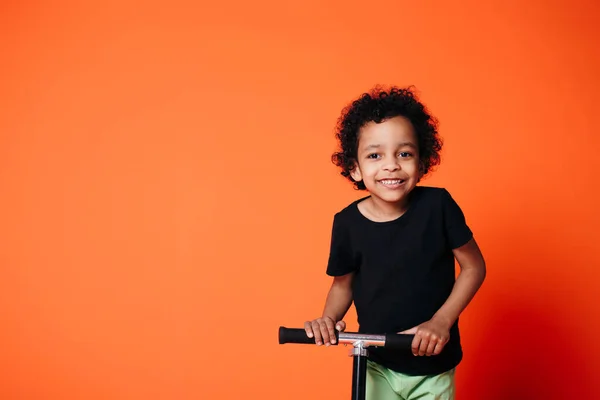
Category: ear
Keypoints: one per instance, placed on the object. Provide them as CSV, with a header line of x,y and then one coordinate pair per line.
x,y
355,173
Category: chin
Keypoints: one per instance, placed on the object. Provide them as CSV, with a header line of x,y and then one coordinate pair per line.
x,y
389,197
392,196
392,199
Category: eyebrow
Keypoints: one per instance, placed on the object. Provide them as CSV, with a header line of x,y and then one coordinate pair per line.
x,y
403,144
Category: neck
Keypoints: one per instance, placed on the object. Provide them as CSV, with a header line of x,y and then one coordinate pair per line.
x,y
385,210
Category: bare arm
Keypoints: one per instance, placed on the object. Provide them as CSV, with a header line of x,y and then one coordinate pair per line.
x,y
339,298
471,277
337,304
431,336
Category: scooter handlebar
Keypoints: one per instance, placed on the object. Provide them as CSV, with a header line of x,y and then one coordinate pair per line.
x,y
298,336
398,341
389,341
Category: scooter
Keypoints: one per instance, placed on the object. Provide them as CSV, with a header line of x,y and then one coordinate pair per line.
x,y
360,343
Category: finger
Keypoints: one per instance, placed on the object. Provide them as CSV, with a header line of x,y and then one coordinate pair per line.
x,y
317,332
416,343
424,344
439,347
433,341
410,331
324,332
308,329
341,326
330,330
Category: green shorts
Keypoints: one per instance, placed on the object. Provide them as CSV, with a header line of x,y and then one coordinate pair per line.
x,y
385,384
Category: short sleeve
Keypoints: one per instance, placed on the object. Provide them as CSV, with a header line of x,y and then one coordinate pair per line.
x,y
457,231
340,253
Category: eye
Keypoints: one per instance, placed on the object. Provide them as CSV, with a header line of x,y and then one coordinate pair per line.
x,y
405,154
373,155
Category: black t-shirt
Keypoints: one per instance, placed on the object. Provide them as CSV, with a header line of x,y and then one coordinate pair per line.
x,y
404,272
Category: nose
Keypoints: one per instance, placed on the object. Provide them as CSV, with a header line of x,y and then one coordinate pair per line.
x,y
391,164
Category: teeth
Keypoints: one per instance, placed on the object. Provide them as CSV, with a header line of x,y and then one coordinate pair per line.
x,y
392,182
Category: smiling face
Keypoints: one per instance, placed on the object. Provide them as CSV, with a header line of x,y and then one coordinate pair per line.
x,y
388,160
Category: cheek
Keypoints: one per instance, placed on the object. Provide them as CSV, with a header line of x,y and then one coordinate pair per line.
x,y
370,170
412,168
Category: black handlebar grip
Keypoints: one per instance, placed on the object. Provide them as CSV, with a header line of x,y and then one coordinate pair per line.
x,y
296,335
398,341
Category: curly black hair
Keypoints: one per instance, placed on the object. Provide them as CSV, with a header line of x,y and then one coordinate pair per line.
x,y
380,104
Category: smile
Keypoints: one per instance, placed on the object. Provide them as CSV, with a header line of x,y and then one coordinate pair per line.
x,y
391,182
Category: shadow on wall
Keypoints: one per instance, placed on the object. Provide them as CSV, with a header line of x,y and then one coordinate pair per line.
x,y
529,348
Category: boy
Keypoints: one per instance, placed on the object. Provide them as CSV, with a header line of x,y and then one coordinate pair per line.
x,y
393,252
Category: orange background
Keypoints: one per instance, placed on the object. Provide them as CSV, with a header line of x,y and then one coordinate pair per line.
x,y
167,190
